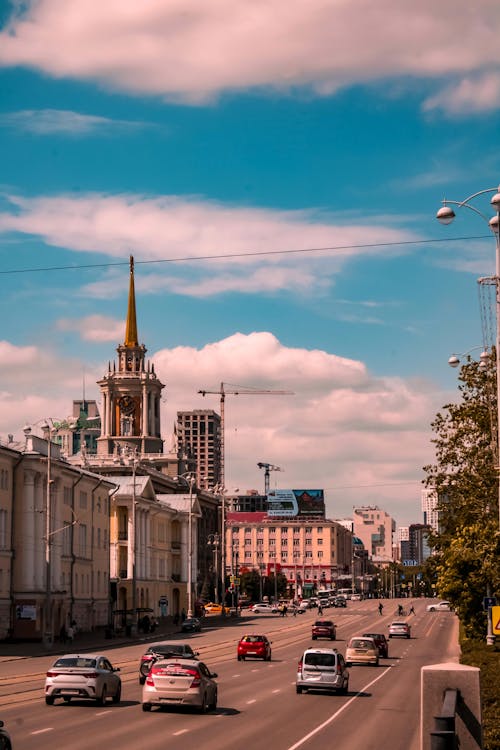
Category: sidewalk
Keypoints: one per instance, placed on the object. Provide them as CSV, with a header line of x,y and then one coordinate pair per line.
x,y
97,641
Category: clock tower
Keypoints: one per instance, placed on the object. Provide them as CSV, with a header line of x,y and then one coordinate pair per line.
x,y
131,395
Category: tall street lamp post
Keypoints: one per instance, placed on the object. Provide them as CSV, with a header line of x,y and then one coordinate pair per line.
x,y
190,480
214,541
445,215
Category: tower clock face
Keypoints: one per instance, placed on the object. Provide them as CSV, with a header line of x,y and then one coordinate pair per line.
x,y
126,404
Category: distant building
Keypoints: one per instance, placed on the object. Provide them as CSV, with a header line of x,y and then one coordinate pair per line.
x,y
430,510
375,528
199,438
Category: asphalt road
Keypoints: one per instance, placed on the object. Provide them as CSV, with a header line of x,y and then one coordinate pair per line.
x,y
258,707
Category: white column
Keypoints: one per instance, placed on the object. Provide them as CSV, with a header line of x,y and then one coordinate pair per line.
x,y
184,551
40,531
56,539
28,515
145,414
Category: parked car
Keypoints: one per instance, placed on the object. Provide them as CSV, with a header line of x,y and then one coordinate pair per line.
x,y
181,683
399,630
191,625
340,601
356,597
361,650
381,642
439,607
163,649
256,646
324,629
322,669
215,609
83,676
5,741
264,609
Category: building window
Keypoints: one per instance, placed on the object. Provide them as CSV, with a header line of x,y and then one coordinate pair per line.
x,y
83,500
320,553
296,542
66,540
67,495
82,538
319,540
3,529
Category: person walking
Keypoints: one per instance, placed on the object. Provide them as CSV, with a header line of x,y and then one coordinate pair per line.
x,y
412,610
380,608
70,633
320,609
400,610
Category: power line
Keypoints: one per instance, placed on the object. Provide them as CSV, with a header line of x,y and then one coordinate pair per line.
x,y
251,254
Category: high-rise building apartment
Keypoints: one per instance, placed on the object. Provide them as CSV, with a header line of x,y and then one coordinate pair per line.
x,y
430,508
375,528
199,438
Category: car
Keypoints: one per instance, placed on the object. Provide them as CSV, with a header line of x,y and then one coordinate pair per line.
x,y
381,642
180,682
163,649
264,609
256,646
340,601
356,597
399,630
5,741
324,629
361,650
443,606
191,625
304,604
322,669
89,676
215,609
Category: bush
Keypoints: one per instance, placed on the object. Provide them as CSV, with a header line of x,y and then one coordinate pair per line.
x,y
487,658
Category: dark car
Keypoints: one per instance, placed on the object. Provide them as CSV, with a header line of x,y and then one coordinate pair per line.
x,y
5,741
255,646
163,650
191,625
324,629
340,601
381,643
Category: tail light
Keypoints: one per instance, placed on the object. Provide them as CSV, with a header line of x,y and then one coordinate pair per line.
x,y
196,678
299,667
87,675
150,681
339,668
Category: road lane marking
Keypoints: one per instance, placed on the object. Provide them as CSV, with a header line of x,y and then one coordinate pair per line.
x,y
181,731
337,713
42,731
254,700
277,691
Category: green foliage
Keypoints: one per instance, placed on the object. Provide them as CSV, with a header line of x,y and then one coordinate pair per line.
x,y
487,658
465,476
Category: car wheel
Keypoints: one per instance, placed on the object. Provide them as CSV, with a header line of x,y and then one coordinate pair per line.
x,y
314,637
269,657
204,705
376,663
298,689
345,689
408,635
142,680
213,705
239,657
146,706
49,700
117,696
101,701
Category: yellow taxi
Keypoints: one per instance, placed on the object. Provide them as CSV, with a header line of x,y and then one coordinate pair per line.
x,y
215,609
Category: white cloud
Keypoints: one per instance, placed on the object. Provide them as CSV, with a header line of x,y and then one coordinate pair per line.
x,y
342,427
193,51
98,328
64,122
480,93
172,228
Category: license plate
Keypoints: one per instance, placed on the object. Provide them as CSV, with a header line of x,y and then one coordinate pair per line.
x,y
71,692
251,653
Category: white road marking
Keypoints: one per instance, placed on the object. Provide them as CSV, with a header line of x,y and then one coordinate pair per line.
x,y
101,713
277,691
254,700
181,731
42,731
337,713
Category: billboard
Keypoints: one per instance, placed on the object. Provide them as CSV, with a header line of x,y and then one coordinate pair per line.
x,y
296,503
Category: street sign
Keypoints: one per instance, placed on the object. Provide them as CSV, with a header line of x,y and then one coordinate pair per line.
x,y
495,620
489,601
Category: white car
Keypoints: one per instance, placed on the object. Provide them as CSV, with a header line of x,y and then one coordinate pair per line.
x,y
439,607
262,609
83,676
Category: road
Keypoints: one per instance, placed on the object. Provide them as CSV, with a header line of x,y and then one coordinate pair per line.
x,y
258,706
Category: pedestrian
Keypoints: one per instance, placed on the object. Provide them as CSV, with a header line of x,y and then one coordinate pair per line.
x,y
285,611
63,635
176,618
400,609
294,610
320,609
412,610
183,615
70,633
380,608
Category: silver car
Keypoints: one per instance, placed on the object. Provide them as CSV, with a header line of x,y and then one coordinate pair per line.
x,y
178,682
83,676
322,669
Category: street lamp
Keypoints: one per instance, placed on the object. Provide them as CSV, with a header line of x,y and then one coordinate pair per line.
x,y
190,480
133,459
445,216
214,541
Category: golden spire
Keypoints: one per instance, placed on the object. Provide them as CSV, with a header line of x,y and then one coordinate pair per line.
x,y
131,328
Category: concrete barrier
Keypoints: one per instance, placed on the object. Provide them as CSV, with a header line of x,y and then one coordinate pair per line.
x,y
435,680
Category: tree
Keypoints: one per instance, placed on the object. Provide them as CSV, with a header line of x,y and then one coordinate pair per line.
x,y
465,477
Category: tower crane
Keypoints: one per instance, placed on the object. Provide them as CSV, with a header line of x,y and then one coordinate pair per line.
x,y
237,390
267,468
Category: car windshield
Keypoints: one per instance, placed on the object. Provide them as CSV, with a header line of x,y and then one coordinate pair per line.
x,y
173,648
76,661
320,660
327,623
361,643
252,639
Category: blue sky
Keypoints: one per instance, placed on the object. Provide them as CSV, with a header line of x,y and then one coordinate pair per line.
x,y
276,177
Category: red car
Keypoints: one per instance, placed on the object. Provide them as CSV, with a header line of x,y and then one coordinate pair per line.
x,y
324,629
255,646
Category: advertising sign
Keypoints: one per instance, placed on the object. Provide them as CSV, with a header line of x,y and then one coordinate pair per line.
x,y
296,503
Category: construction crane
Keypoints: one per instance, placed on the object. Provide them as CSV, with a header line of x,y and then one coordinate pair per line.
x,y
236,390
267,468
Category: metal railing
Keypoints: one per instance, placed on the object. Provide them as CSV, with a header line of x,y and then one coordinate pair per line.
x,y
444,737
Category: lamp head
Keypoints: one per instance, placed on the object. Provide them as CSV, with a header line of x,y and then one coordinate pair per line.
x,y
453,361
493,222
445,215
495,201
